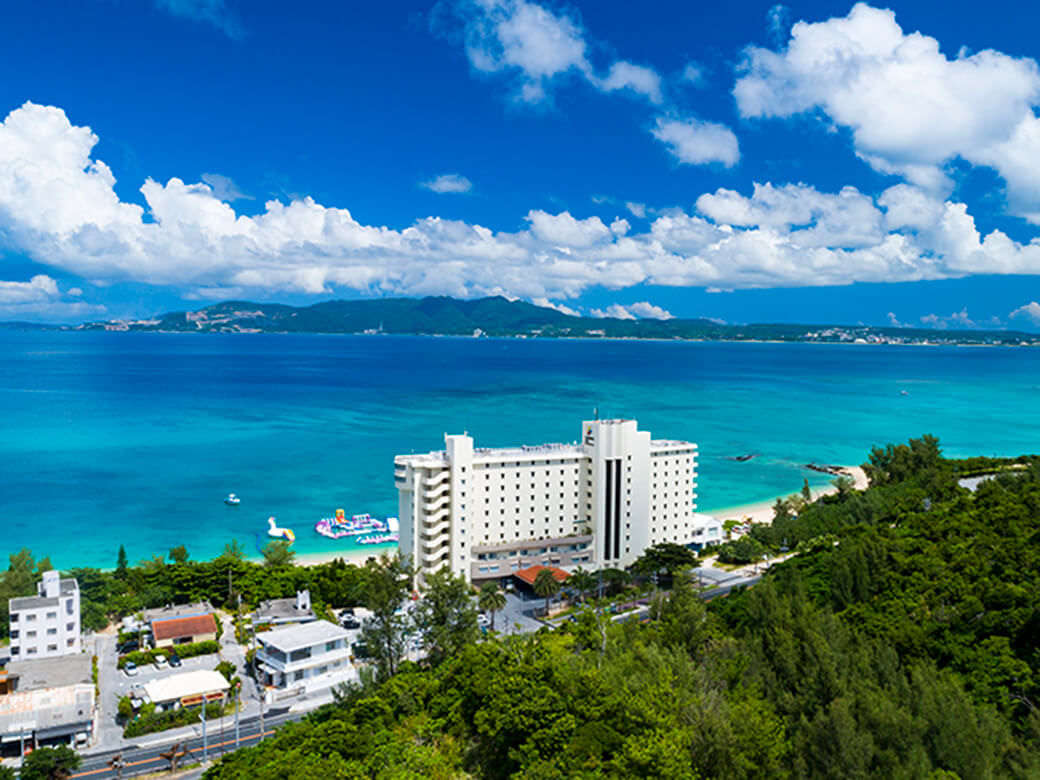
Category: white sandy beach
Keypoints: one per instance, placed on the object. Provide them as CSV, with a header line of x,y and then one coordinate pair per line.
x,y
761,512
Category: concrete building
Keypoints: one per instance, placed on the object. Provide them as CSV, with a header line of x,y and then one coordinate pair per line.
x,y
50,701
186,689
281,612
304,657
48,624
597,503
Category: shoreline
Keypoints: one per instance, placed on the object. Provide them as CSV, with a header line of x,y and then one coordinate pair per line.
x,y
757,512
555,337
762,511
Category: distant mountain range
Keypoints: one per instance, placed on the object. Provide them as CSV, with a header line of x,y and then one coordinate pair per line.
x,y
497,316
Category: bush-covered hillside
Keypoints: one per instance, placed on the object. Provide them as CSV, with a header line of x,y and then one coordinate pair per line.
x,y
902,643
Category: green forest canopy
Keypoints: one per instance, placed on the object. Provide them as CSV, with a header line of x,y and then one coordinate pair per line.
x,y
905,646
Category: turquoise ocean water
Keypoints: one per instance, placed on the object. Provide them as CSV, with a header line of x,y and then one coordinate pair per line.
x,y
136,438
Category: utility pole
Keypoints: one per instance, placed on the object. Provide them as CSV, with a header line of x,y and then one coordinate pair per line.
x,y
259,684
204,745
238,699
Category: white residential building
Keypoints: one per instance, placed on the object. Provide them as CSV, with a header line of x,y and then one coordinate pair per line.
x,y
47,624
597,503
304,657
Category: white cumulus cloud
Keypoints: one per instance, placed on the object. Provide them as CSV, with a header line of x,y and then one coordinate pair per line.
x,y
448,183
641,80
641,310
910,108
59,207
694,142
1030,312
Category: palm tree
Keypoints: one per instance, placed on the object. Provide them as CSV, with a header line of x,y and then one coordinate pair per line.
x,y
546,585
235,549
491,599
582,581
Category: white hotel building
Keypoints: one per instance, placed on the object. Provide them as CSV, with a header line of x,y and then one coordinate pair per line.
x,y
487,513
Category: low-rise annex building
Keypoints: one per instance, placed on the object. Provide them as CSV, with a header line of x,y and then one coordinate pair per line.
x,y
173,631
49,701
304,657
48,624
281,612
487,513
186,689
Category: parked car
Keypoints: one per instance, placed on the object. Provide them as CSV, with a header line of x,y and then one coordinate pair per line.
x,y
175,661
350,622
129,646
161,662
483,620
130,669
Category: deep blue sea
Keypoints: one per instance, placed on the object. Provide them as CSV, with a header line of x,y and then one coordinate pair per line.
x,y
135,438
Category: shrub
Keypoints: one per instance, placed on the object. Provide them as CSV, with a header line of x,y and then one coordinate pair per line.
x,y
151,722
144,657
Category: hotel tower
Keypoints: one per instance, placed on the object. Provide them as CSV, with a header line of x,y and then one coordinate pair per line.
x,y
597,503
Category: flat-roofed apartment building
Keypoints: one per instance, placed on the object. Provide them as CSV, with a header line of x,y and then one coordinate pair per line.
x,y
596,503
48,624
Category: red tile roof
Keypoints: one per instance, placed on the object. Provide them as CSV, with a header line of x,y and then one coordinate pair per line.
x,y
529,574
177,628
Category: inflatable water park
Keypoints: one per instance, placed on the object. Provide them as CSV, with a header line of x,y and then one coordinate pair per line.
x,y
369,529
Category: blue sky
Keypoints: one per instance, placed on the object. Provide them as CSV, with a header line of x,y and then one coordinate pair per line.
x,y
809,162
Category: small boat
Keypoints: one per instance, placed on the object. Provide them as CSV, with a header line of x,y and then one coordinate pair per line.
x,y
232,500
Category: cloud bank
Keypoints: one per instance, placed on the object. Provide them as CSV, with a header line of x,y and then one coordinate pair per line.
x,y
59,206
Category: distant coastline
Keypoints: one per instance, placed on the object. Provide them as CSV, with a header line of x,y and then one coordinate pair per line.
x,y
497,317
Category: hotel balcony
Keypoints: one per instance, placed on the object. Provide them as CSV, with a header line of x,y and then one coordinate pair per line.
x,y
437,479
432,505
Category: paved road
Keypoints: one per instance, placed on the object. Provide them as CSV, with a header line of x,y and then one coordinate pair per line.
x,y
142,760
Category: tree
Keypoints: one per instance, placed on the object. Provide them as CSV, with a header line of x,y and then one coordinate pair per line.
x,y
447,615
121,563
46,763
806,491
666,555
546,585
179,554
581,581
277,552
387,583
154,565
843,484
235,549
6,773
616,578
491,599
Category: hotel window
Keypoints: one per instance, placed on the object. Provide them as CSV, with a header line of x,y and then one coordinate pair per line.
x,y
52,615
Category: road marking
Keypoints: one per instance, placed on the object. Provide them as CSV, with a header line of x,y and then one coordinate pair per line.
x,y
160,758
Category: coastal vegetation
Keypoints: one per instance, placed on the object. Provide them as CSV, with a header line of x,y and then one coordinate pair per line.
x,y
154,582
497,316
902,642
